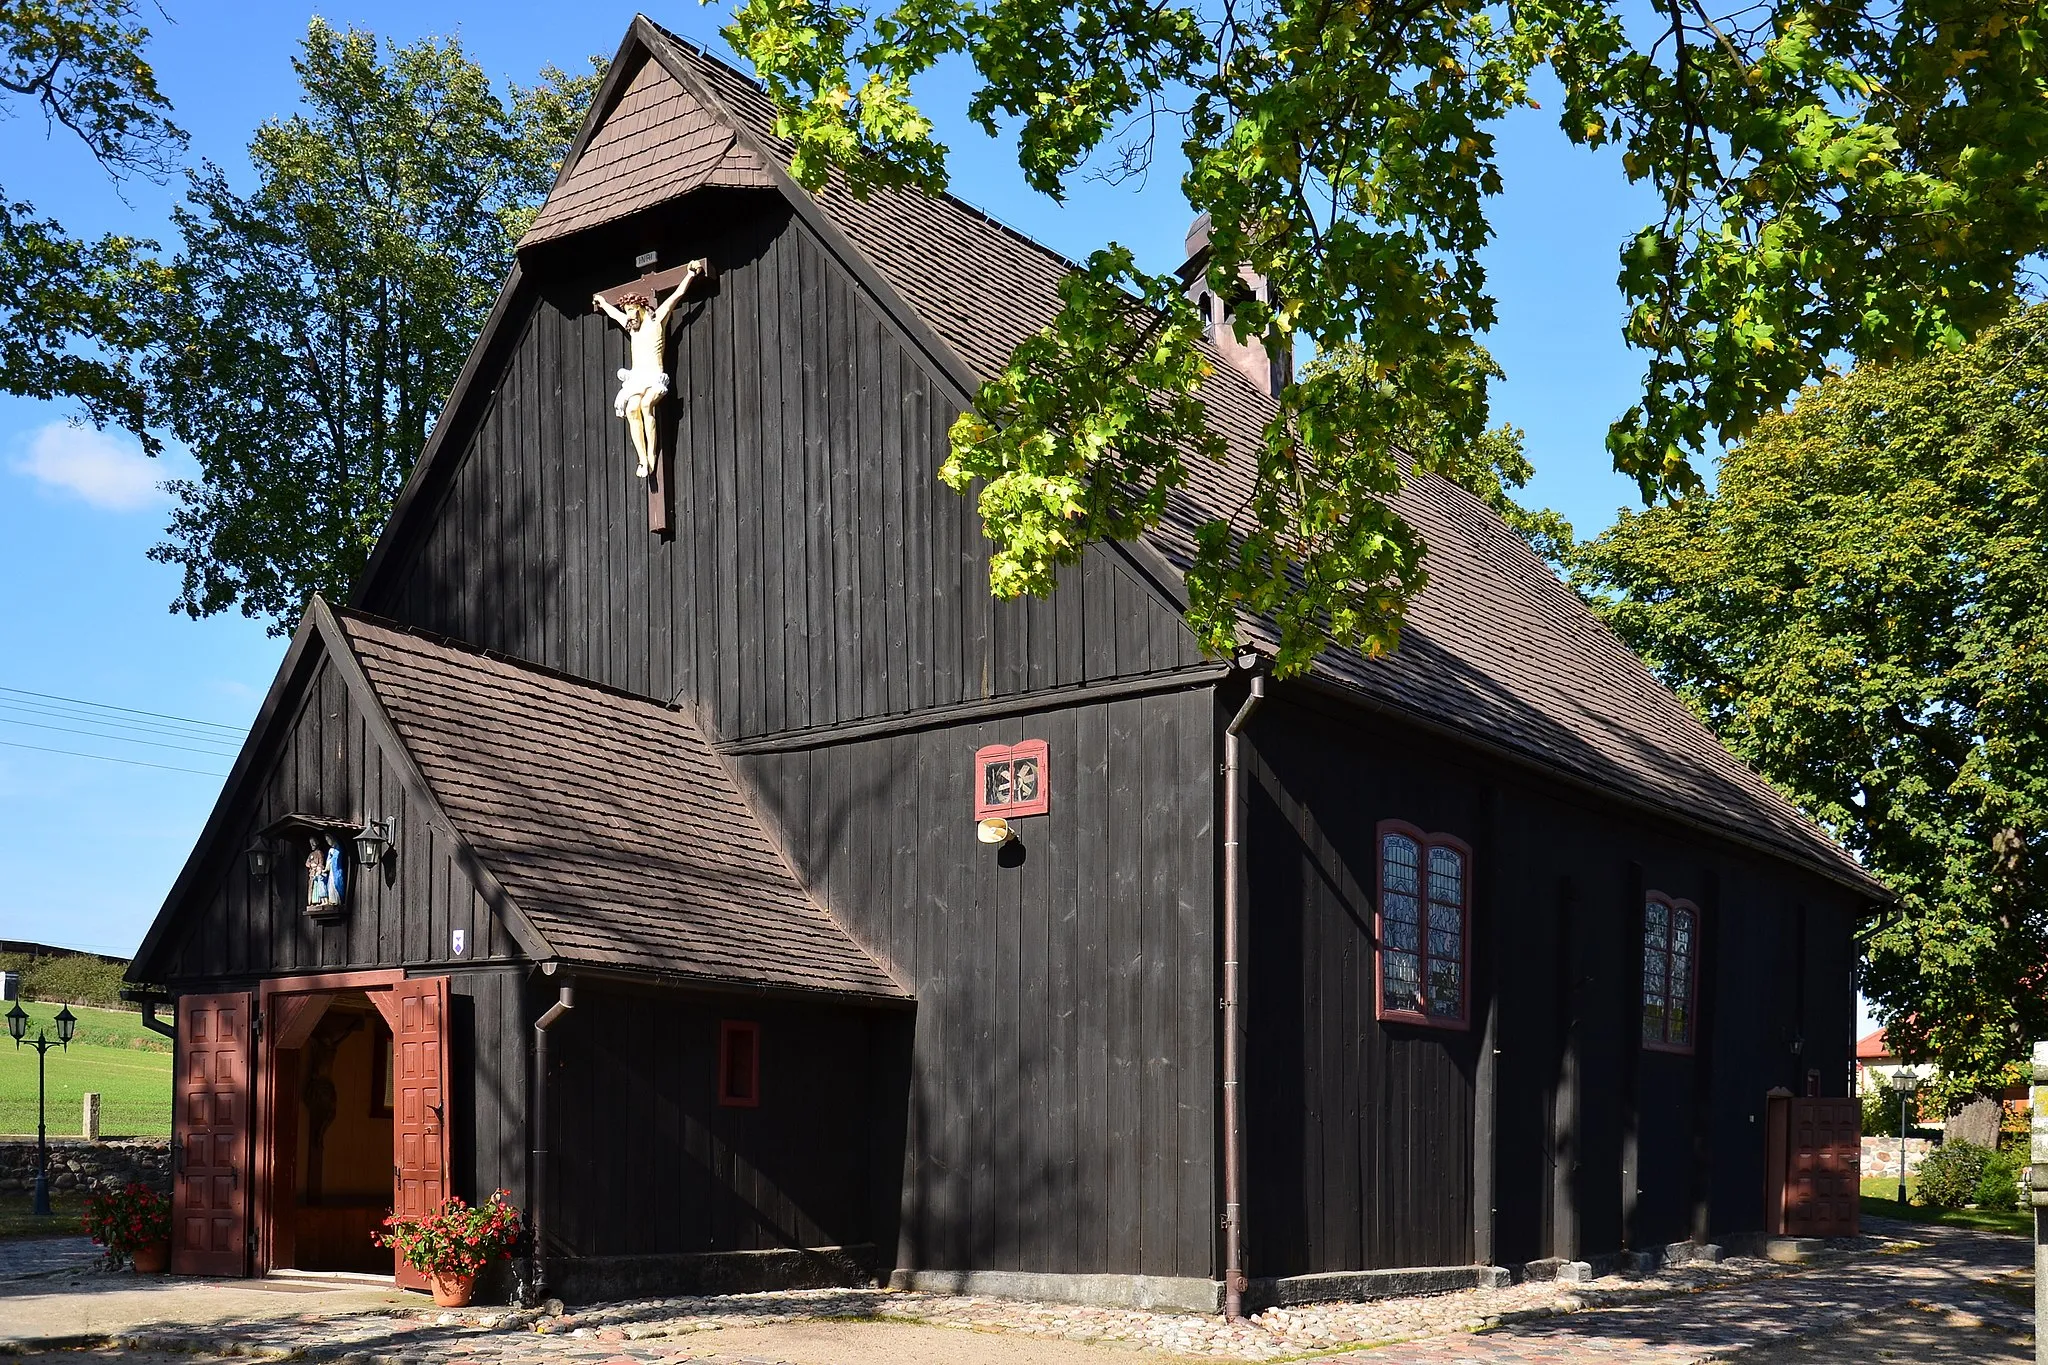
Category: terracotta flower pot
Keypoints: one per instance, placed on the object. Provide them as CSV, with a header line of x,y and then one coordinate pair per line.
x,y
452,1290
153,1259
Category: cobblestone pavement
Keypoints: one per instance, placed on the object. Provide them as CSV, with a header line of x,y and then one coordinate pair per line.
x,y
1914,1333
1693,1313
21,1257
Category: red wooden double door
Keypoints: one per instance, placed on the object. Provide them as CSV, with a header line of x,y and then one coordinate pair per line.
x,y
223,1210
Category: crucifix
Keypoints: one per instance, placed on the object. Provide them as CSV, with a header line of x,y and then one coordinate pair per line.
x,y
644,382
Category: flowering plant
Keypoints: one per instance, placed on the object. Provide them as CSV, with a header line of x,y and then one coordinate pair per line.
x,y
128,1220
454,1239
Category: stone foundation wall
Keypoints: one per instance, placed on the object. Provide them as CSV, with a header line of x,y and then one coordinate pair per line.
x,y
75,1164
1881,1156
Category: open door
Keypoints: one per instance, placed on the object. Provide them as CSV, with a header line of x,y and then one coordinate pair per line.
x,y
417,1011
210,1149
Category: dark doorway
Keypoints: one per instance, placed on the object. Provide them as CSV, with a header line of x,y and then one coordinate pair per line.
x,y
334,1107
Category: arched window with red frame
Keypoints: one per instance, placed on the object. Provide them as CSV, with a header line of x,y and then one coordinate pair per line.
x,y
1423,927
1671,941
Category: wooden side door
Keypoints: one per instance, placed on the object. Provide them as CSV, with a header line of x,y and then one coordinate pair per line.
x,y
1824,1157
210,1147
417,1011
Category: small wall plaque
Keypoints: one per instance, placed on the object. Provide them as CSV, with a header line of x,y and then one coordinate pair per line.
x,y
1010,779
457,940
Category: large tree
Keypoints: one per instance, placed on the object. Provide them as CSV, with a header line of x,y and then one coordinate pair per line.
x,y
70,306
310,329
1858,176
1860,609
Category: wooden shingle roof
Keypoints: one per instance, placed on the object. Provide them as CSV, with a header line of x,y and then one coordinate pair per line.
x,y
1495,648
612,826
655,143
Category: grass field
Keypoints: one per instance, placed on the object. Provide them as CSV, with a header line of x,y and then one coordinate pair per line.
x,y
1880,1200
112,1053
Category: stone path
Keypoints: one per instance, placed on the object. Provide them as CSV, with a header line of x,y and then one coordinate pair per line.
x,y
22,1257
1698,1313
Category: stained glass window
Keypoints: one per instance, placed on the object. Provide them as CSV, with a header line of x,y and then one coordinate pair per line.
x,y
1670,948
1424,901
1400,925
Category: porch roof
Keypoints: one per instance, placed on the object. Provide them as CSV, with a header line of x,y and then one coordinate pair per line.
x,y
612,826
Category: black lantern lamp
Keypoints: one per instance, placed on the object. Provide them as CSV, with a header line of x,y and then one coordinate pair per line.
x,y
258,855
17,1027
1906,1083
373,841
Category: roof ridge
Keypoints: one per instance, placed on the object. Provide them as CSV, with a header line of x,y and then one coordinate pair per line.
x,y
958,201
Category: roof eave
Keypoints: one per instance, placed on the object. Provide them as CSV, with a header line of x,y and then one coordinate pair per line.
x,y
1855,880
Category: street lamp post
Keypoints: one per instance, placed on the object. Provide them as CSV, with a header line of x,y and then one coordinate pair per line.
x,y
17,1026
1905,1082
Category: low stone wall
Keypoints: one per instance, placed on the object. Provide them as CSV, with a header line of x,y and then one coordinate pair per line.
x,y
75,1164
1881,1156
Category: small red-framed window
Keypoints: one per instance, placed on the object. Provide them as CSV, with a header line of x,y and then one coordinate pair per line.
x,y
1671,965
1422,927
739,1064
1011,779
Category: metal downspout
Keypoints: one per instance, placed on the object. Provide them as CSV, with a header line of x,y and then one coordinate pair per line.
x,y
536,1283
1234,1283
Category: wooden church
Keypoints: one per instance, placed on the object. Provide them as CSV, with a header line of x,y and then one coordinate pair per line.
x,y
708,860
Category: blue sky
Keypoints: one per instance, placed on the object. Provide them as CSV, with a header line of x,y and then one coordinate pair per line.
x,y
88,848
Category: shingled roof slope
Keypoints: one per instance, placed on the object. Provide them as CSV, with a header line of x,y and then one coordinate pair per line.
x,y
1495,647
656,143
608,820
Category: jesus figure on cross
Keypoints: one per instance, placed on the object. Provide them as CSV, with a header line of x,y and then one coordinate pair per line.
x,y
644,382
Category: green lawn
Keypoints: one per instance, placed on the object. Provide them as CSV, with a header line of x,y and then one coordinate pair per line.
x,y
112,1053
1880,1200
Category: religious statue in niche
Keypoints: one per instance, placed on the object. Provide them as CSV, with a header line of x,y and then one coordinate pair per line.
x,y
323,874
644,382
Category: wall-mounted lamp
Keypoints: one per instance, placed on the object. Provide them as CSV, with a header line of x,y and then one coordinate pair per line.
x,y
995,830
258,855
373,841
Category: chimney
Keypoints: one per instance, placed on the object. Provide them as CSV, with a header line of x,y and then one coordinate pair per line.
x,y
1268,371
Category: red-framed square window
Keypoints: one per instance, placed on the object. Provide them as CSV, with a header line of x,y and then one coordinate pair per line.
x,y
1422,928
739,1064
1011,779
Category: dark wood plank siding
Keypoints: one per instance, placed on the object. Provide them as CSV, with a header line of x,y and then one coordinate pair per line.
x,y
648,1162
1361,1134
490,1051
235,926
819,575
1062,1111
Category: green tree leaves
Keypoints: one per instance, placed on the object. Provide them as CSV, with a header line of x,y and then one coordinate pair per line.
x,y
69,307
1833,179
1116,374
309,331
1860,610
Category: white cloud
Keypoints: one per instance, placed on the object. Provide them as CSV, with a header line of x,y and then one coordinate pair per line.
x,y
108,471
